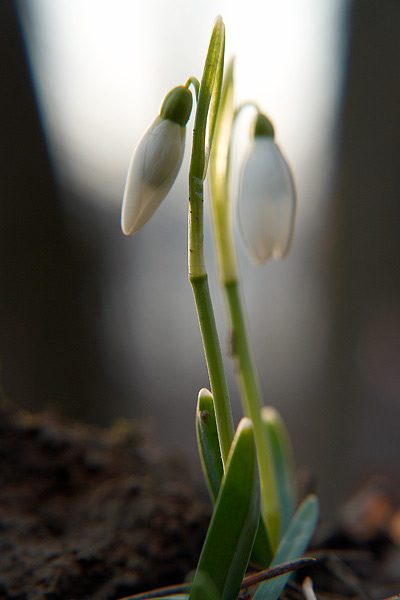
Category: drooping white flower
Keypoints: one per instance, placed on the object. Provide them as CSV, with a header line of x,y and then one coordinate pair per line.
x,y
153,169
156,161
267,199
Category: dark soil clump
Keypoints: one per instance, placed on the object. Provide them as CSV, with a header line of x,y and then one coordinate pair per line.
x,y
90,513
358,556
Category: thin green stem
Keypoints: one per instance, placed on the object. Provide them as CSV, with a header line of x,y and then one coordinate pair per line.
x,y
213,355
196,263
208,96
250,392
245,367
195,83
212,349
208,101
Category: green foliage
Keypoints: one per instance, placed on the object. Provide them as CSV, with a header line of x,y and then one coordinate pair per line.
x,y
261,554
293,545
282,458
234,523
210,89
210,456
208,444
250,473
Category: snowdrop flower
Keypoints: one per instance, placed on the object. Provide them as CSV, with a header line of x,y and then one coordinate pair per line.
x,y
156,161
267,199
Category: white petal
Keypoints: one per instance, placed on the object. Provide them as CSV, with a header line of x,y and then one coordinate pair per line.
x,y
267,202
153,169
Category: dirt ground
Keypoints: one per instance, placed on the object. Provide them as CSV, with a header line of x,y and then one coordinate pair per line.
x,y
90,513
101,514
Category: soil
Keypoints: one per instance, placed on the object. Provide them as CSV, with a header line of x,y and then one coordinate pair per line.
x,y
358,555
100,514
90,513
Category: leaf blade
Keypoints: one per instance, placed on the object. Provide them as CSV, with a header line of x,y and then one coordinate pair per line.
x,y
233,526
208,443
209,93
283,461
292,546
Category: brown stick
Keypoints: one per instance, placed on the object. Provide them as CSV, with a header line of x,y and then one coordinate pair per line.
x,y
281,569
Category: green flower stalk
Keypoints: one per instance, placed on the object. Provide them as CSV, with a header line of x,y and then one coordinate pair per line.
x,y
250,472
152,172
266,204
207,108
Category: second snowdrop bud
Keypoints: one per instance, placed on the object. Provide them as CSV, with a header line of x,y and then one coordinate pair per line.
x,y
267,199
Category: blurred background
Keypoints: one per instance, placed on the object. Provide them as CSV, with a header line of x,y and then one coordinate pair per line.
x,y
101,326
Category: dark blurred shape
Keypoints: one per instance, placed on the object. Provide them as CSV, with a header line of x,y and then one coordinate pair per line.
x,y
361,401
48,301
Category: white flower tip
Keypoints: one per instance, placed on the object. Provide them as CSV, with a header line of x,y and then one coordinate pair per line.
x,y
138,205
152,172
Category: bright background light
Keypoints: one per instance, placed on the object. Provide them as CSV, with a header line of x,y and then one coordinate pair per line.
x,y
101,69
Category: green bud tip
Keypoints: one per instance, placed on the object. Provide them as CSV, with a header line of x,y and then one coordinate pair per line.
x,y
177,105
263,126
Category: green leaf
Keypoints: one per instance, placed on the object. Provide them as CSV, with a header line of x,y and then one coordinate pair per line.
x,y
227,547
261,554
210,89
205,587
208,444
219,179
292,546
219,157
210,456
282,458
216,91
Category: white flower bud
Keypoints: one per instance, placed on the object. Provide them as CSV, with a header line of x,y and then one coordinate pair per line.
x,y
156,161
267,201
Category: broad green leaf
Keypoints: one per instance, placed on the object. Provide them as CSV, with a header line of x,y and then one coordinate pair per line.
x,y
210,456
282,458
233,526
261,554
208,444
205,587
292,546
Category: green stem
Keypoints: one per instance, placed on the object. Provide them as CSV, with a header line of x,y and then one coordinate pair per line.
x,y
212,350
246,372
208,95
250,392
